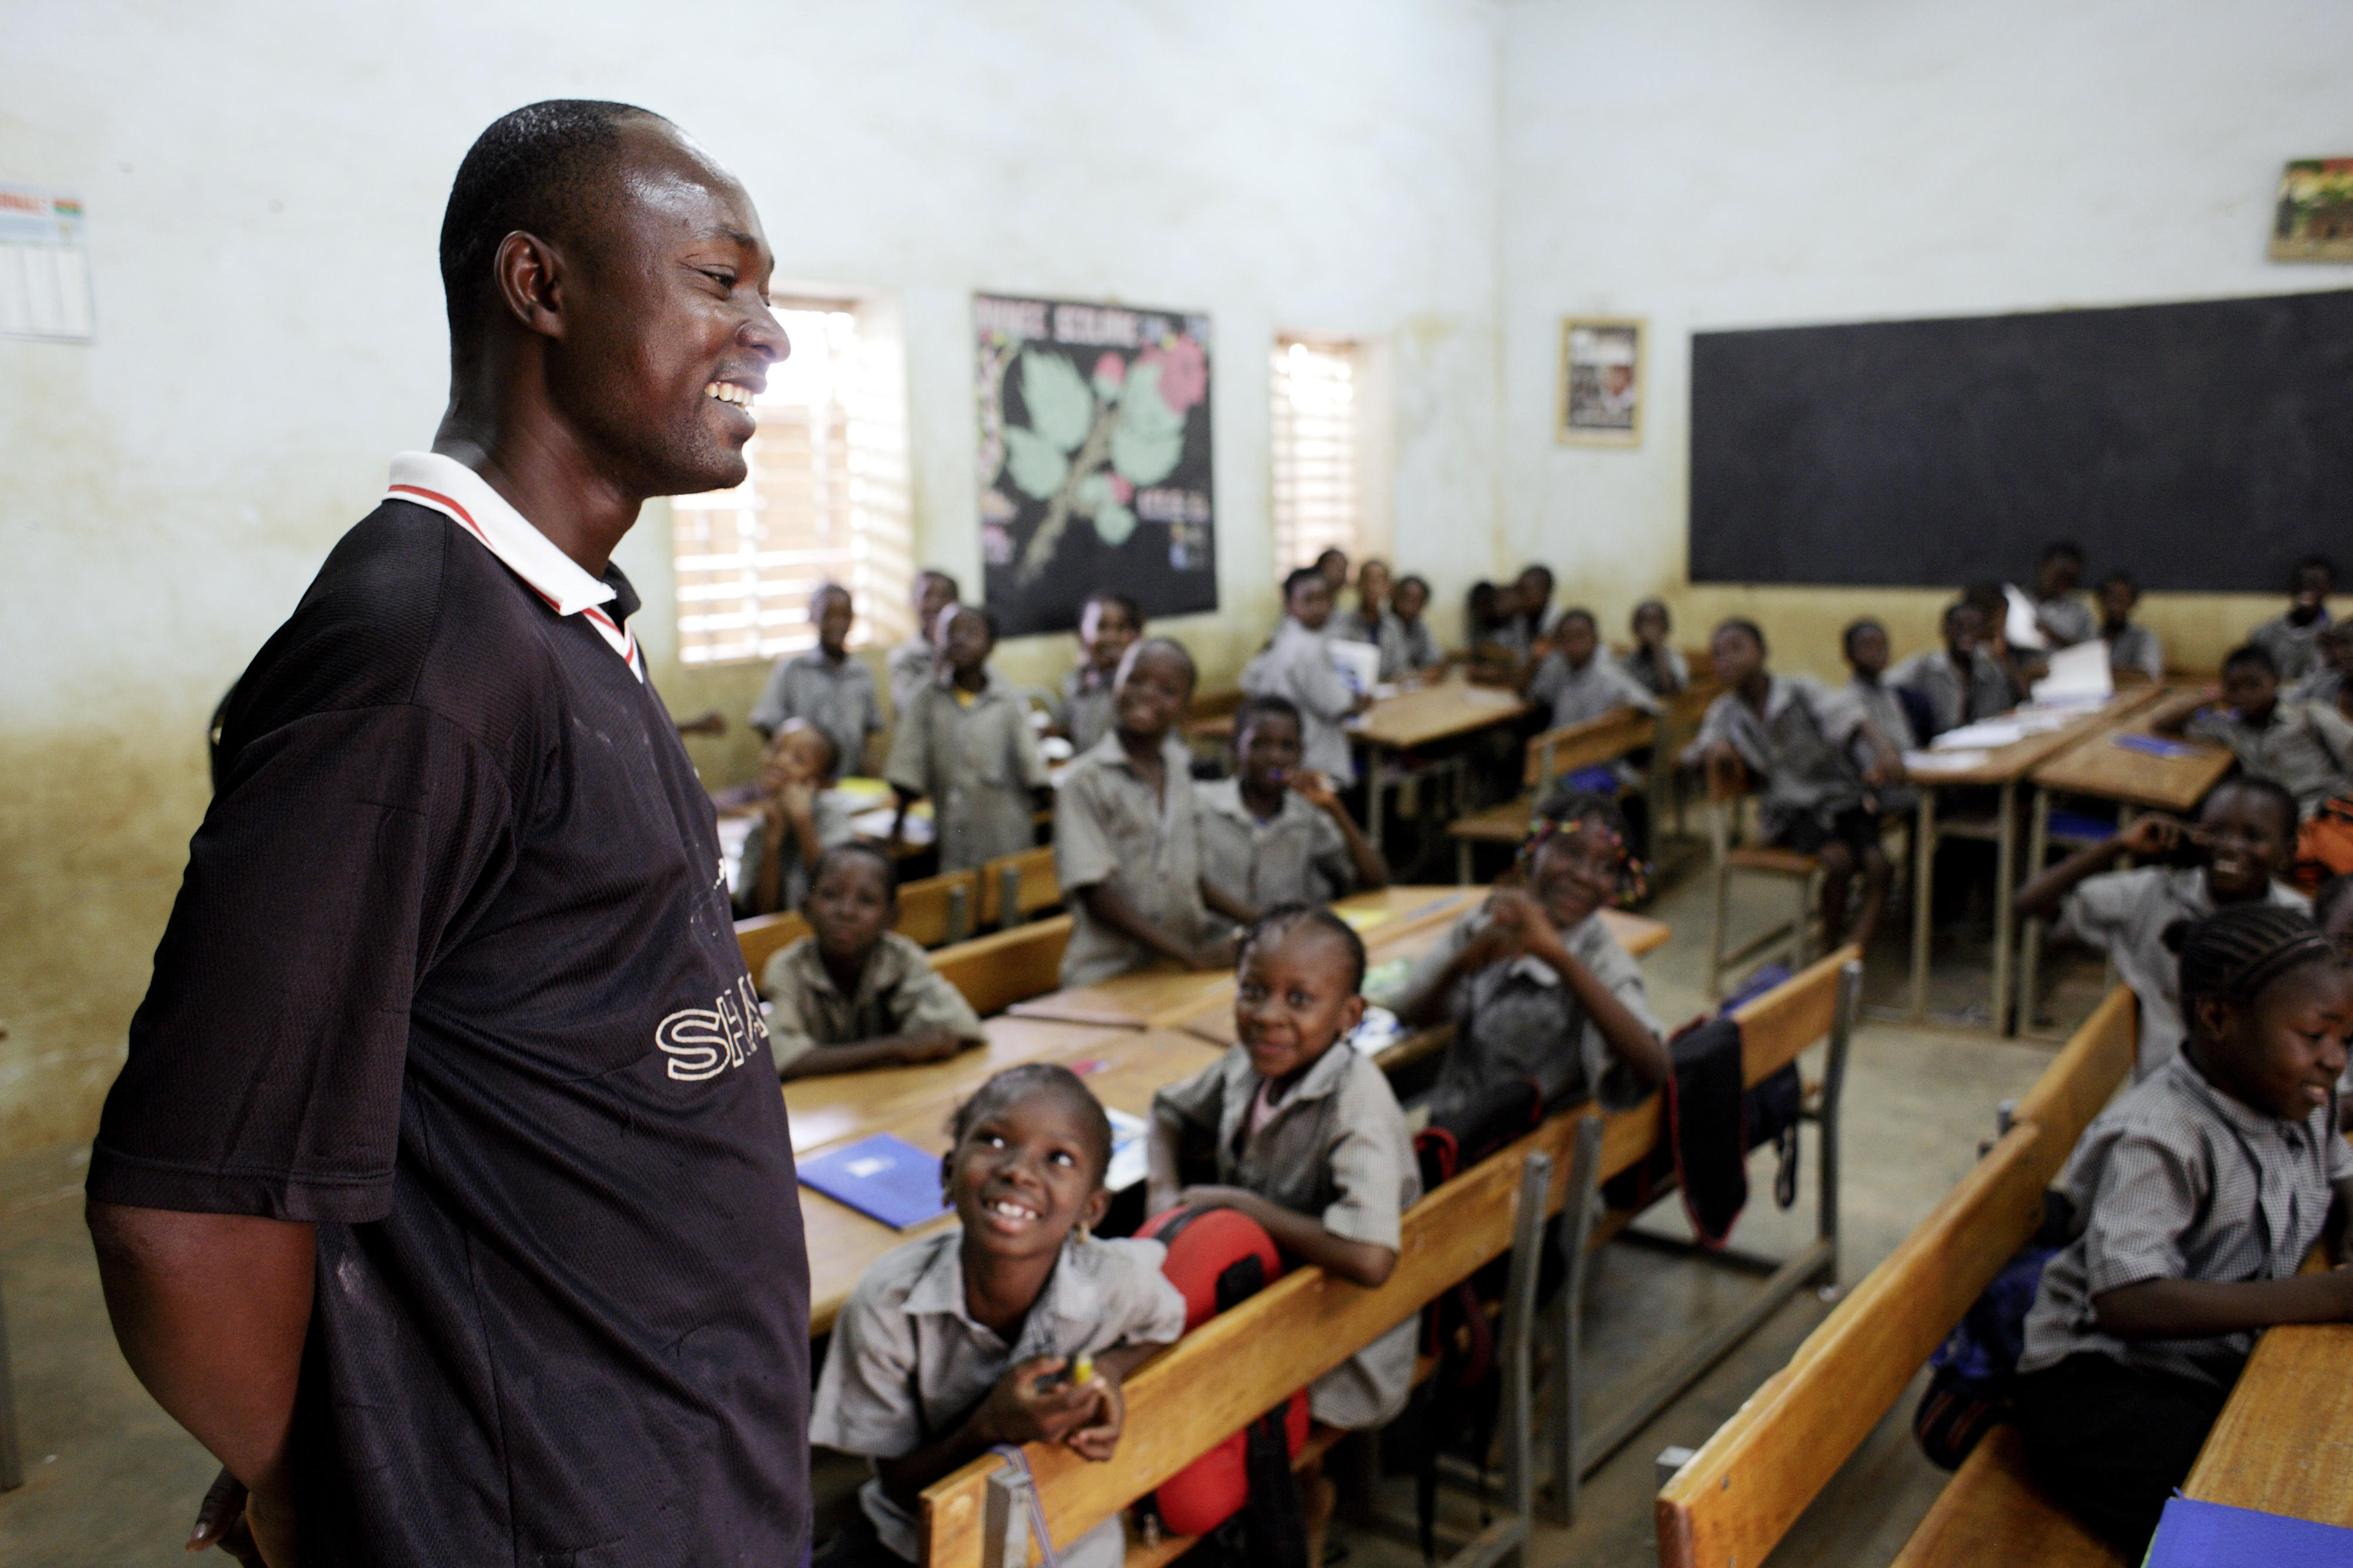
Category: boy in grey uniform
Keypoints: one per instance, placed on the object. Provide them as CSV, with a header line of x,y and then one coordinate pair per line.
x,y
1410,649
1580,684
2303,746
1296,665
1962,682
2066,620
1125,849
965,743
1274,833
2292,639
913,664
1657,666
2130,646
824,686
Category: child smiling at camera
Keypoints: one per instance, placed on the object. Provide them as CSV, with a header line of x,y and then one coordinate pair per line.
x,y
2199,1190
1274,833
958,1342
1310,1141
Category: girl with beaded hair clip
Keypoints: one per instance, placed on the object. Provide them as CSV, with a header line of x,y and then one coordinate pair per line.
x,y
1535,982
2200,1191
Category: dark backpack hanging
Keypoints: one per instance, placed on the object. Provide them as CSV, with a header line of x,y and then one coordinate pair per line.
x,y
1712,1124
1971,1373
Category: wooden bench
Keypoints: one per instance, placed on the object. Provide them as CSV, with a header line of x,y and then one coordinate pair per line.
x,y
1549,755
995,971
1738,1496
1216,1380
936,911
761,937
1015,888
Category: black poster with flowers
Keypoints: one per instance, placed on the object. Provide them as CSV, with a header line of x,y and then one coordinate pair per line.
x,y
1094,460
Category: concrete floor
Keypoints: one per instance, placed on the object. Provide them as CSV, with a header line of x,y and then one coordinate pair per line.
x,y
111,1482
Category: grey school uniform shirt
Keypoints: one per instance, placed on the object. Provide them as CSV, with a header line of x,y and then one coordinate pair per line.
x,y
1579,695
2303,746
977,762
2069,617
1517,1018
1296,665
1296,857
2295,648
1876,700
838,698
2124,914
2178,1180
832,820
1086,714
2136,648
897,991
1335,1149
908,1363
1798,746
1109,827
1407,647
910,667
1954,698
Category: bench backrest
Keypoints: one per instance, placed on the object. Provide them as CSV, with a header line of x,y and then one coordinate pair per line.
x,y
1216,1380
1016,887
1588,744
1737,1497
763,936
995,971
937,910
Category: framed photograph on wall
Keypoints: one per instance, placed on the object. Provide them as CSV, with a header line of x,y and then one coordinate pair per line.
x,y
2313,220
1601,383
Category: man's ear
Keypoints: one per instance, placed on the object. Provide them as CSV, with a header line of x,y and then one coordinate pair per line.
x,y
531,282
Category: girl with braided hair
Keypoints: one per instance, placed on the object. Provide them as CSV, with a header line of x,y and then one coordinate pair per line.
x,y
1535,985
2200,1191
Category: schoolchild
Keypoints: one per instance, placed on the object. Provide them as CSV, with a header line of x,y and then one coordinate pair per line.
x,y
2241,841
1658,664
2063,619
1309,1139
856,994
1109,625
1578,682
1534,982
913,664
2199,1191
1961,682
958,1342
1412,649
1370,619
825,685
798,818
1126,849
2305,747
2132,648
964,742
1868,695
1275,832
2293,637
1297,666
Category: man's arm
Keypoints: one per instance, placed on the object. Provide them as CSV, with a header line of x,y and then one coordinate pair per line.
x,y
211,1311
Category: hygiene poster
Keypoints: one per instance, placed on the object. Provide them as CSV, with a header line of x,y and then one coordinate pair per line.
x,y
1094,460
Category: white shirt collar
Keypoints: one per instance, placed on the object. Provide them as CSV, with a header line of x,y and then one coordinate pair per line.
x,y
449,487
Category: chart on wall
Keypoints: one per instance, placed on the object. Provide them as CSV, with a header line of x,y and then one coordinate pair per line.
x,y
1094,460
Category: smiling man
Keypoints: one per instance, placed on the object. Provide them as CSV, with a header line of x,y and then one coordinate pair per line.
x,y
446,1196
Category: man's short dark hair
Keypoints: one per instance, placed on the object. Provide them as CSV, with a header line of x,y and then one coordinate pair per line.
x,y
538,169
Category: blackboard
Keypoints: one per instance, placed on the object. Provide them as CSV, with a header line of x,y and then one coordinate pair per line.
x,y
2201,447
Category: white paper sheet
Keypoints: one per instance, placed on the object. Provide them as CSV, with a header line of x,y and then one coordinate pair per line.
x,y
2019,627
1981,736
1943,762
1359,664
2078,674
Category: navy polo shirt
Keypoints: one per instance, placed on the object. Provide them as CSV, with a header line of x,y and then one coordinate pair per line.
x,y
452,975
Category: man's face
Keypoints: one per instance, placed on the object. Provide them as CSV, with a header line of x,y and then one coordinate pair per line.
x,y
664,331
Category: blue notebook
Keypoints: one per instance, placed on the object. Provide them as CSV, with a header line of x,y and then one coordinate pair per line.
x,y
883,1177
2210,1535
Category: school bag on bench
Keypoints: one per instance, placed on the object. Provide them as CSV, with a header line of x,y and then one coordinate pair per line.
x,y
1971,1373
1241,1493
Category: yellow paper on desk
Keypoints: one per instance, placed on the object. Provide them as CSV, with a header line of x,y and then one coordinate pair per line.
x,y
1363,919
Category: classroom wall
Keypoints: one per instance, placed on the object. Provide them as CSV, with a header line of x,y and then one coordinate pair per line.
x,y
265,183
1760,163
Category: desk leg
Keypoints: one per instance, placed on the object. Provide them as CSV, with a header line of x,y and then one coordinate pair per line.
x,y
2005,887
2029,961
1375,779
1923,861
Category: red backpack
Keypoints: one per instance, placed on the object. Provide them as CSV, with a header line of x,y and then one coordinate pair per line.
x,y
1218,1257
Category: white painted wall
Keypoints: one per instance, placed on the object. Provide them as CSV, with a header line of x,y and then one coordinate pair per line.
x,y
1769,163
265,183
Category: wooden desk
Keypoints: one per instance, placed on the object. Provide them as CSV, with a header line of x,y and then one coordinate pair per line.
x,y
1445,710
2097,766
1127,1067
2285,1442
2003,768
1164,993
842,1106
